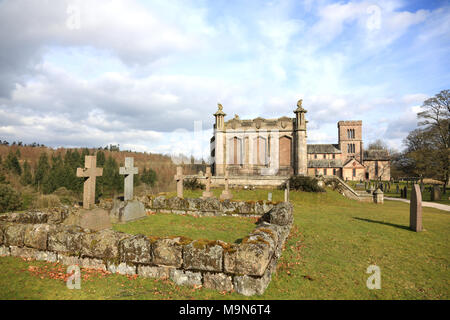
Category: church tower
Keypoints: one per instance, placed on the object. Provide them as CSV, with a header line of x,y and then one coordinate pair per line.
x,y
301,156
350,139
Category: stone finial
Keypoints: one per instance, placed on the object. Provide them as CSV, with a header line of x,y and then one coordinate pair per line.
x,y
300,107
129,171
220,110
299,103
90,172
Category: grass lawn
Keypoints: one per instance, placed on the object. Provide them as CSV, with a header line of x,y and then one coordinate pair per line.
x,y
229,229
332,243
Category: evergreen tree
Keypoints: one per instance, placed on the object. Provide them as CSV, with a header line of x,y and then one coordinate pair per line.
x,y
42,170
12,163
27,177
101,159
148,177
111,181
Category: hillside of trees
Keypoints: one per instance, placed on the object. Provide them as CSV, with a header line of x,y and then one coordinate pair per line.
x,y
30,173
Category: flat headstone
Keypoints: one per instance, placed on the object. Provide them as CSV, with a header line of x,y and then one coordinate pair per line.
x,y
124,211
95,219
415,209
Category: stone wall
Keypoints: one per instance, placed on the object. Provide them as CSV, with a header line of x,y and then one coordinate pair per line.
x,y
246,267
209,206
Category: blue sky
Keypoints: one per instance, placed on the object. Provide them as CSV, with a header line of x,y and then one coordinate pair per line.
x,y
140,73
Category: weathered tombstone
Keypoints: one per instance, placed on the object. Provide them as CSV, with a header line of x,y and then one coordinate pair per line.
x,y
378,196
179,179
286,192
269,197
89,218
207,193
436,193
226,194
90,172
200,173
129,171
405,192
415,209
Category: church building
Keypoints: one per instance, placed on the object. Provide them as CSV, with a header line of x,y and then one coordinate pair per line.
x,y
278,147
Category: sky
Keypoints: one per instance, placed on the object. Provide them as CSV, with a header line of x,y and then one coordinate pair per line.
x,y
144,74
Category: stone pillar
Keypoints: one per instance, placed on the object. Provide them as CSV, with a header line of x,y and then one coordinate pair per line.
x,y
208,193
415,209
219,142
179,179
301,154
378,196
286,192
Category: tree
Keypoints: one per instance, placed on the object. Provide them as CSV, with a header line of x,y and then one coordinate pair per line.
x,y
27,177
12,163
148,177
436,121
42,170
9,199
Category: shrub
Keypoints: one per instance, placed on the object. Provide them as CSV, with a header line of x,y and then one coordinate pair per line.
x,y
47,201
304,183
9,199
192,184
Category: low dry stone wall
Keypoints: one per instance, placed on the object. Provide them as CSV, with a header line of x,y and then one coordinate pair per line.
x,y
209,206
246,267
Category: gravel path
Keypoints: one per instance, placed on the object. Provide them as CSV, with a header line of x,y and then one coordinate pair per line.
x,y
424,203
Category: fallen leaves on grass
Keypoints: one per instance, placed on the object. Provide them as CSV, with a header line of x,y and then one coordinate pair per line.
x,y
57,271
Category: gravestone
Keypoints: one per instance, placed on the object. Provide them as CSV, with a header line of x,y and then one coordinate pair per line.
x,y
415,209
129,171
226,194
179,179
90,172
207,193
286,192
436,193
124,211
405,192
269,197
378,196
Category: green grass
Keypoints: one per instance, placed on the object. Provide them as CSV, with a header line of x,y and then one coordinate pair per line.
x,y
332,243
229,229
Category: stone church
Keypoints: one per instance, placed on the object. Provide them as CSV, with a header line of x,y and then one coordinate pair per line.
x,y
278,147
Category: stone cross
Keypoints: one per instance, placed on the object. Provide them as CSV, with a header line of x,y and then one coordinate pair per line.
x,y
129,171
89,172
226,194
179,179
415,209
208,193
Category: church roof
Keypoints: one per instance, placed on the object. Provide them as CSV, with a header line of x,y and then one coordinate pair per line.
x,y
323,148
324,163
376,155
